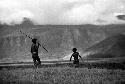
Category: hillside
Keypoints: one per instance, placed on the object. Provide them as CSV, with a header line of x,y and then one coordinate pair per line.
x,y
57,39
113,46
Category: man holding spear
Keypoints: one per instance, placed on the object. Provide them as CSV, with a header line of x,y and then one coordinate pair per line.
x,y
34,50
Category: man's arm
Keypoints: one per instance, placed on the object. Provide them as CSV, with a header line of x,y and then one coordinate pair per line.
x,y
71,58
80,57
39,45
31,49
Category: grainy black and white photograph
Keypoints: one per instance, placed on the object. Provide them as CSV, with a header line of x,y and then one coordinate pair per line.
x,y
62,41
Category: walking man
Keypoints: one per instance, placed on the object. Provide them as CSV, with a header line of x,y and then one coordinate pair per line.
x,y
34,51
75,55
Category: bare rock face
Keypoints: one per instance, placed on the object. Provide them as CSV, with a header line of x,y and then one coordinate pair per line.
x,y
57,39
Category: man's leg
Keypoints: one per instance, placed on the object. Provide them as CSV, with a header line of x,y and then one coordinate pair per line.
x,y
77,64
34,60
74,63
38,59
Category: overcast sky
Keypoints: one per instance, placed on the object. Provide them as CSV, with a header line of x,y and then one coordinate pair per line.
x,y
62,11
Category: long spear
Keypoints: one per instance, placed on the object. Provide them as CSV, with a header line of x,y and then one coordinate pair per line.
x,y
32,38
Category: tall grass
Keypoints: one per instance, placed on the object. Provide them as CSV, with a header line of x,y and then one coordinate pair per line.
x,y
61,75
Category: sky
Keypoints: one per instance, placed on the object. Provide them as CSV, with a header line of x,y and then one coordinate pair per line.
x,y
64,12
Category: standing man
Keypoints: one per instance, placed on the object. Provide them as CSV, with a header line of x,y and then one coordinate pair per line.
x,y
75,55
34,51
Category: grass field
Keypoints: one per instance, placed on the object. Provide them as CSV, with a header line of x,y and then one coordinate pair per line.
x,y
62,74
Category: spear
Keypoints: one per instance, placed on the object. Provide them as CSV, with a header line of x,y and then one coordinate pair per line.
x,y
32,38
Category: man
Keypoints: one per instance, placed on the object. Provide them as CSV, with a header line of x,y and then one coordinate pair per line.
x,y
75,55
34,51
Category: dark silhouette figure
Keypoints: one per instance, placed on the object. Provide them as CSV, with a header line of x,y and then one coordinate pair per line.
x,y
34,51
75,55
